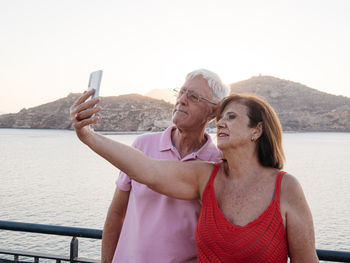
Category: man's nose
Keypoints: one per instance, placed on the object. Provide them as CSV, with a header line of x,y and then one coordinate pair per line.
x,y
182,98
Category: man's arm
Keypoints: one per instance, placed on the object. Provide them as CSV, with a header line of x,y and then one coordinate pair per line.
x,y
113,224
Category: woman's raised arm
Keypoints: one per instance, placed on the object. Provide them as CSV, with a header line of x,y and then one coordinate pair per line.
x,y
173,178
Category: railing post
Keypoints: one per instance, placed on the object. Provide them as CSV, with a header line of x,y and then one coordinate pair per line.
x,y
15,258
73,249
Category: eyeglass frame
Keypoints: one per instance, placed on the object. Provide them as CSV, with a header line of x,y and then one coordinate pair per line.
x,y
199,98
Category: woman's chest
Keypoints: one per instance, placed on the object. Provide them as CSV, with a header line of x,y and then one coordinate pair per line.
x,y
243,204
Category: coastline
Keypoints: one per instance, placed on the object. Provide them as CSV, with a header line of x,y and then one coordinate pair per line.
x,y
210,130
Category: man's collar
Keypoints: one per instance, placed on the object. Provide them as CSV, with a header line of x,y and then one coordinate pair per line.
x,y
165,142
202,153
206,151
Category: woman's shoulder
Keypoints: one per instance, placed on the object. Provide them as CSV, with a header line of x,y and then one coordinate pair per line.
x,y
205,167
289,183
206,171
291,191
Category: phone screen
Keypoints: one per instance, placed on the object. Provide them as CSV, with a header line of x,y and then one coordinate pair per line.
x,y
95,82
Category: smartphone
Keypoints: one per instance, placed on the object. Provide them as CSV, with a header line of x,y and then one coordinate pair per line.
x,y
95,82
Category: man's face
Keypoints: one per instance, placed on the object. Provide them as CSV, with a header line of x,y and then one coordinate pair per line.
x,y
192,114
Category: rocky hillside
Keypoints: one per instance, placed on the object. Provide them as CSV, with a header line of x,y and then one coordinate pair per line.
x,y
299,107
123,113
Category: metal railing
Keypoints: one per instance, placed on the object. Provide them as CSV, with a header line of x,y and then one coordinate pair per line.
x,y
331,255
75,232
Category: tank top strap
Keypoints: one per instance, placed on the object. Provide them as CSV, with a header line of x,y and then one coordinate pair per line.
x,y
278,185
214,173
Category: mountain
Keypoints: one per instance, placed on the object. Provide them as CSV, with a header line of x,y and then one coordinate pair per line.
x,y
162,94
299,107
131,112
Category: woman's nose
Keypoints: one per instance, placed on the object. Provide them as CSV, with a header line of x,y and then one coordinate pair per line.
x,y
220,123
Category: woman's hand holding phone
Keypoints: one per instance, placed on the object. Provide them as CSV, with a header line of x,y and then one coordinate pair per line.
x,y
82,112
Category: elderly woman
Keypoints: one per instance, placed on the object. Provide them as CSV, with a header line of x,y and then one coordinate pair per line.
x,y
251,210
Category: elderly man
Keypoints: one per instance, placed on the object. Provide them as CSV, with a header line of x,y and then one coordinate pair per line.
x,y
144,226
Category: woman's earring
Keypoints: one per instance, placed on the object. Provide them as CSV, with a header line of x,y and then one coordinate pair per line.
x,y
252,139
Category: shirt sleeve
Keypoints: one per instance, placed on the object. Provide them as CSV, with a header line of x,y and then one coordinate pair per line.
x,y
123,182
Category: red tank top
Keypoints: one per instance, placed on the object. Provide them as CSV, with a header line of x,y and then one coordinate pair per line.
x,y
262,240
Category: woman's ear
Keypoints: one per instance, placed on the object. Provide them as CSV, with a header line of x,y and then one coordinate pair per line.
x,y
258,130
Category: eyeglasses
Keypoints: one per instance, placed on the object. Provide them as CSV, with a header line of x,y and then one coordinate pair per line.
x,y
191,96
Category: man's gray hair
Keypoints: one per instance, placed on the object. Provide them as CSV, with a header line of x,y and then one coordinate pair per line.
x,y
219,89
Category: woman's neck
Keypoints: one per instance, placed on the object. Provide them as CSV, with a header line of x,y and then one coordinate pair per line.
x,y
242,163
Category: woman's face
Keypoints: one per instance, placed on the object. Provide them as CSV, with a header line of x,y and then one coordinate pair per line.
x,y
232,128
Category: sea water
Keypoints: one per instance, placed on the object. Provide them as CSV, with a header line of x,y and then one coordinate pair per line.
x,y
50,177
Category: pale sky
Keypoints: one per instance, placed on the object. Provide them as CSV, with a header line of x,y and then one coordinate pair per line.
x,y
49,47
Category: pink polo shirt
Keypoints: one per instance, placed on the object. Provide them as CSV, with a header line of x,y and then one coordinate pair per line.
x,y
158,228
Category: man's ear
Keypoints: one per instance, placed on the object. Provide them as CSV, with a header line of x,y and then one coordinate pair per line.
x,y
212,114
258,130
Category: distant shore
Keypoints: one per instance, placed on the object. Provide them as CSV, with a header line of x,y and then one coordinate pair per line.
x,y
211,131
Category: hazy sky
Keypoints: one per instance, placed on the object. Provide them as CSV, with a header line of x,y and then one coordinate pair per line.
x,y
48,48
